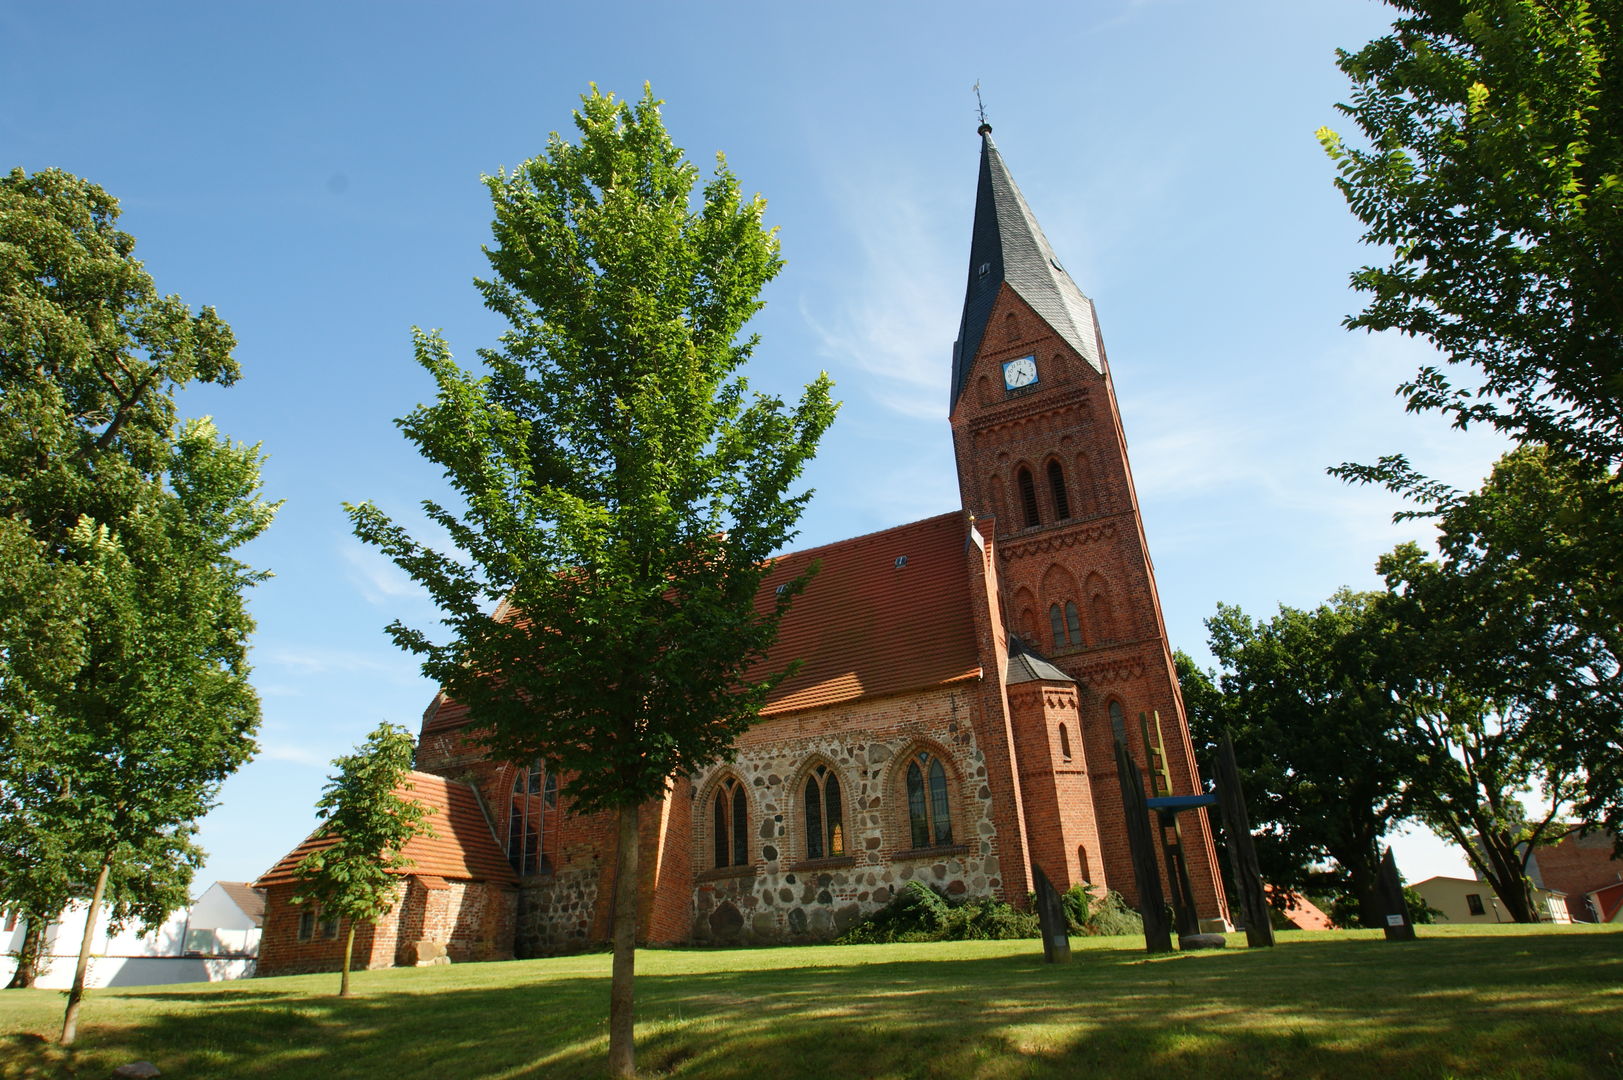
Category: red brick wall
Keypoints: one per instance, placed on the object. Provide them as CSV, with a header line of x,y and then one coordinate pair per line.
x,y
1577,866
1099,551
282,953
474,920
1064,837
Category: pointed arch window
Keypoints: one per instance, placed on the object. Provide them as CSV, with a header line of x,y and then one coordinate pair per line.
x,y
1118,722
825,825
1064,743
1056,488
730,824
929,815
1066,625
1028,496
532,820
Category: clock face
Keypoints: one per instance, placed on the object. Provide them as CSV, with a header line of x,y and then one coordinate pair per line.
x,y
1021,372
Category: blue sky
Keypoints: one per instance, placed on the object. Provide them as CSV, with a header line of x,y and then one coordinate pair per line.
x,y
313,171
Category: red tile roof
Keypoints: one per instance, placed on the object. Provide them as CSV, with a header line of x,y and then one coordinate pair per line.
x,y
864,627
249,900
1609,902
1303,913
462,847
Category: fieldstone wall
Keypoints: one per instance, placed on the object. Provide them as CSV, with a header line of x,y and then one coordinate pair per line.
x,y
781,896
556,911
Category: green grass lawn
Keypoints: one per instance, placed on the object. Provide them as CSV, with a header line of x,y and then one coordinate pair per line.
x,y
1462,1002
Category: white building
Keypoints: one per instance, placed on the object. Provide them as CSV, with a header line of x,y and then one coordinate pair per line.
x,y
214,940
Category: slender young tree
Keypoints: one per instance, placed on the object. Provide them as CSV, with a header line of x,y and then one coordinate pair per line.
x,y
124,695
624,489
370,818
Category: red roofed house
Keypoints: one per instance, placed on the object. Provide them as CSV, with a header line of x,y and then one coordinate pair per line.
x,y
457,899
963,680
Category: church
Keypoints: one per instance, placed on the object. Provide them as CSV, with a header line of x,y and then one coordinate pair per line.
x,y
964,681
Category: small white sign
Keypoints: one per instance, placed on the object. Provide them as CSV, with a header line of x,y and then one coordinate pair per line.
x,y
1394,920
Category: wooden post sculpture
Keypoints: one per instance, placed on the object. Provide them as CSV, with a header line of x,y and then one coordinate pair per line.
x,y
1157,934
1399,927
1051,917
1168,830
1259,927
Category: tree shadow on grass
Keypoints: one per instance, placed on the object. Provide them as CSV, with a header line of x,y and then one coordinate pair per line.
x,y
1503,1006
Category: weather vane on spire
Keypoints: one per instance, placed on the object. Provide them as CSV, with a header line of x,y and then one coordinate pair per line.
x,y
980,107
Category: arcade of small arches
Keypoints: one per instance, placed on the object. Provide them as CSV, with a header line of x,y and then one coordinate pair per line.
x,y
1075,616
1042,494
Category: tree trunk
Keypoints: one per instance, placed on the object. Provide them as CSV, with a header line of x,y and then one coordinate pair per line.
x,y
70,1019
28,955
622,1049
349,950
1502,866
1364,881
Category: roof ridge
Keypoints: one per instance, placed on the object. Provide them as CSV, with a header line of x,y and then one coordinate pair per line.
x,y
865,536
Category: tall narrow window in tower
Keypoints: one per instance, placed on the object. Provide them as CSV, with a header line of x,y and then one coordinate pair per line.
x,y
527,818
825,830
1118,722
928,814
1028,496
730,824
1064,743
1056,623
1056,487
1073,624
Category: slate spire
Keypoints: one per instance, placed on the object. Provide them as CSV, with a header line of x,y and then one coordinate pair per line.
x,y
1008,246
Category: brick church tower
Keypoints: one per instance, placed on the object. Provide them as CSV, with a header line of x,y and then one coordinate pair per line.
x,y
1040,450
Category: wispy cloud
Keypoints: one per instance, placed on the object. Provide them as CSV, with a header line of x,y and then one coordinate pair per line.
x,y
328,661
379,581
297,755
899,295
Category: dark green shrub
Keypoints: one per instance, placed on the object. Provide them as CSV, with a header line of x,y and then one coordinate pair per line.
x,y
1108,914
920,912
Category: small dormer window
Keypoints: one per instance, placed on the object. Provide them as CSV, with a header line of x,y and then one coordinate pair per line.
x,y
901,561
781,589
985,268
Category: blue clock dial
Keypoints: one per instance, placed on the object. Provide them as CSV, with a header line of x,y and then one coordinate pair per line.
x,y
1019,373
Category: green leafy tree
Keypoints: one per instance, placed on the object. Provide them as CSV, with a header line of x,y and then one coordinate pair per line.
x,y
124,697
1493,144
1510,675
1315,737
370,823
623,488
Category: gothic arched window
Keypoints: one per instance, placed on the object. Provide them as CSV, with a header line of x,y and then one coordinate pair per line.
x,y
929,816
825,825
532,820
1118,722
1056,487
1028,496
1065,624
730,824
1064,743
